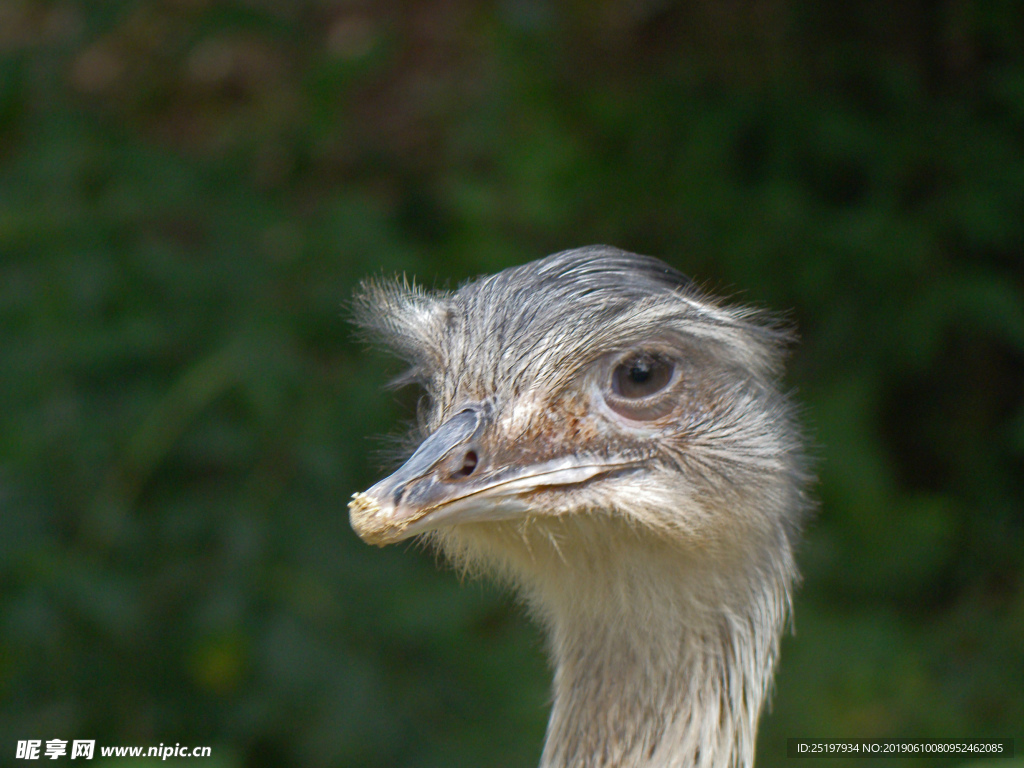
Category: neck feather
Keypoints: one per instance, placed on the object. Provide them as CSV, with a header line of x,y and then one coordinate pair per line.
x,y
663,653
683,690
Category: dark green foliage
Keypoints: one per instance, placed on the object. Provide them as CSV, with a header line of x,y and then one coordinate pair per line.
x,y
188,194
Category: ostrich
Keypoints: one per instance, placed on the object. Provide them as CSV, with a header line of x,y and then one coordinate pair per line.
x,y
613,443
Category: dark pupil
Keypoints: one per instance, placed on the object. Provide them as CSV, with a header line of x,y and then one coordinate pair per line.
x,y
640,371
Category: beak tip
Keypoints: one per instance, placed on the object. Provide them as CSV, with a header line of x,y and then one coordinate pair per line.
x,y
373,527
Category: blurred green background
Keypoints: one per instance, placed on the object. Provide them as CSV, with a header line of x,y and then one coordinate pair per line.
x,y
189,191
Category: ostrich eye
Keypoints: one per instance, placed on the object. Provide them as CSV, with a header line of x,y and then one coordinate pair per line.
x,y
641,376
636,383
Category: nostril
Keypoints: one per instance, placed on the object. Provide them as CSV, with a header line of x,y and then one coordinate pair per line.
x,y
469,462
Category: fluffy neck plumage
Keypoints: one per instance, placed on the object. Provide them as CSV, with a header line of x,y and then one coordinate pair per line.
x,y
663,655
681,690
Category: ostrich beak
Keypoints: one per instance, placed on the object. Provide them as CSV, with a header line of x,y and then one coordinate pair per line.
x,y
450,480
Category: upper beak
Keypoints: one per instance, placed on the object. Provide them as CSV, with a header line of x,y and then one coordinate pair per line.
x,y
450,480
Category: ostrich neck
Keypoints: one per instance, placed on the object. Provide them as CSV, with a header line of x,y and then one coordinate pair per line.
x,y
665,665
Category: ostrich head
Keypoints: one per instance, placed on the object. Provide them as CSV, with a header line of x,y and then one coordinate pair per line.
x,y
613,443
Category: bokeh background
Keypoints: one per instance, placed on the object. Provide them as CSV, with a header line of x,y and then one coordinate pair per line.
x,y
190,190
